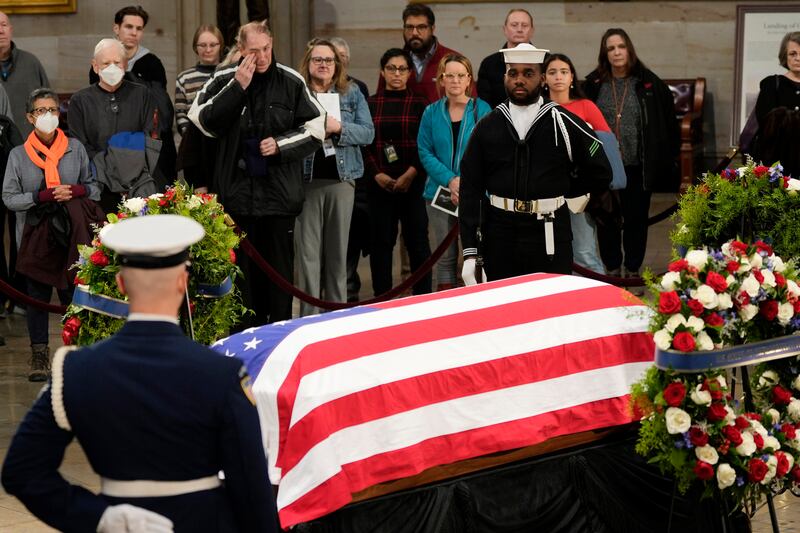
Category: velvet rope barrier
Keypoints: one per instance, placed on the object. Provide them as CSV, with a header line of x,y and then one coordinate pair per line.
x,y
289,288
22,298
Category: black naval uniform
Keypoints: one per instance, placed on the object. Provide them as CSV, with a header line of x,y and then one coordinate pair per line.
x,y
559,157
147,404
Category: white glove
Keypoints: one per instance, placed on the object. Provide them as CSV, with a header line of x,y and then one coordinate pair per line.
x,y
125,518
468,272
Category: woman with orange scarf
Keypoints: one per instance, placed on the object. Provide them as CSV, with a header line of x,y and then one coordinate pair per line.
x,y
48,168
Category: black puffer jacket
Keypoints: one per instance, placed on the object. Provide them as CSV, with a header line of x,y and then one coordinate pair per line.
x,y
660,131
276,104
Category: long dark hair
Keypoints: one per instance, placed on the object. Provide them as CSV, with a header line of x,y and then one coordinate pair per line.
x,y
604,65
575,91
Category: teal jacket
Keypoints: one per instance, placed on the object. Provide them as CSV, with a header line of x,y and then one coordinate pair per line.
x,y
442,160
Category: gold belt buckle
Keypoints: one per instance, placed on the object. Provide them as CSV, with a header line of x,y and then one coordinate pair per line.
x,y
523,206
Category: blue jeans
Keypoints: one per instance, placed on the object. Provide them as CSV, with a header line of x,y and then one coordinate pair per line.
x,y
584,242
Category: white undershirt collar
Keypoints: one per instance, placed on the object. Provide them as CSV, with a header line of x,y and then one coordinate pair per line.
x,y
522,116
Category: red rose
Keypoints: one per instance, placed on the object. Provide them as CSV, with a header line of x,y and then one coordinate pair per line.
x,y
716,412
759,440
780,281
669,303
786,182
789,430
98,258
796,474
761,246
163,202
703,470
743,299
757,469
70,330
742,423
78,281
783,464
768,309
732,266
724,447
781,396
753,416
738,246
678,266
121,216
732,434
761,170
713,388
674,393
695,306
66,338
758,275
232,255
714,320
169,194
796,305
698,436
684,341
716,282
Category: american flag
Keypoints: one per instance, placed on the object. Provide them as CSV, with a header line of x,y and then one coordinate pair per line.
x,y
357,397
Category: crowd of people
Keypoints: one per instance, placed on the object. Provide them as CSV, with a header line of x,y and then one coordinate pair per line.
x,y
318,172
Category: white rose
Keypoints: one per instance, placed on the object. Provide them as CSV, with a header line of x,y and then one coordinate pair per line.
x,y
792,288
756,426
730,280
722,383
750,285
777,264
726,250
135,205
194,202
744,266
774,416
772,465
768,379
669,280
726,476
704,342
706,296
674,321
730,416
724,301
756,261
700,397
769,278
785,313
663,339
793,185
695,324
793,410
697,258
796,383
748,445
748,312
790,457
707,453
678,421
794,443
156,195
772,442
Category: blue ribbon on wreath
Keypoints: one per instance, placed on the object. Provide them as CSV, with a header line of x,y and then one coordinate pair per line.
x,y
205,290
744,354
105,305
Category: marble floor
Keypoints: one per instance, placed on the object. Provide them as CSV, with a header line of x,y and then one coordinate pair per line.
x,y
17,394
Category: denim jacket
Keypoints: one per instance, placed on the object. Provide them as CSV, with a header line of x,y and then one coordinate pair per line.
x,y
357,131
442,160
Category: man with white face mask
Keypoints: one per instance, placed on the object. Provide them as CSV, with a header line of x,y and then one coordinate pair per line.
x,y
109,106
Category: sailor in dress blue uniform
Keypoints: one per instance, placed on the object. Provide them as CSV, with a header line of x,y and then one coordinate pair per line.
x,y
158,415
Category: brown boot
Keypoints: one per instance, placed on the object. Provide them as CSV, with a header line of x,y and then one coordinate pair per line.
x,y
40,363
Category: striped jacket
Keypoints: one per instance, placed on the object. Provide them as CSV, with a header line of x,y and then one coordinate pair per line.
x,y
187,84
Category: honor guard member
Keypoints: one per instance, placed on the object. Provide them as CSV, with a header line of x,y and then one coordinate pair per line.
x,y
525,162
158,415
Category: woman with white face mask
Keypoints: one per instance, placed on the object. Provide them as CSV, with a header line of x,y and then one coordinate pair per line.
x,y
48,169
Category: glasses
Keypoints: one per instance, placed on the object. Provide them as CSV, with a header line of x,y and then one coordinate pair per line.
x,y
321,60
452,77
207,45
421,28
392,68
42,110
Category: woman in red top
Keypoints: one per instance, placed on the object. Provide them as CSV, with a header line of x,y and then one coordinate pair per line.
x,y
560,86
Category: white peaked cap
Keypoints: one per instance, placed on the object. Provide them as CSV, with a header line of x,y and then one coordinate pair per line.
x,y
524,53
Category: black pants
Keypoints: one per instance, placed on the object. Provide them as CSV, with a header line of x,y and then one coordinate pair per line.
x,y
228,16
631,235
385,211
38,320
359,239
273,237
514,245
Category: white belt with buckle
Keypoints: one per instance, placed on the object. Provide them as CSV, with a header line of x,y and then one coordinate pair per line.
x,y
543,208
156,489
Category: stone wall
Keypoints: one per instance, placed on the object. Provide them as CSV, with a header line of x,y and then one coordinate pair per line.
x,y
674,39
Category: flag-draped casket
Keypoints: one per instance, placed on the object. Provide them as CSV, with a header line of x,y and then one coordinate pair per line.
x,y
357,397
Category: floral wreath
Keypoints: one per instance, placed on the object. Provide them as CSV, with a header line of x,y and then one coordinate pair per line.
x,y
690,427
98,308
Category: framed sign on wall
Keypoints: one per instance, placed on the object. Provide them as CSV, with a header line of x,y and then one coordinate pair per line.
x,y
759,30
38,7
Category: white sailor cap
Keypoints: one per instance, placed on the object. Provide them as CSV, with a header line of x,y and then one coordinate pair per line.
x,y
152,241
523,53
